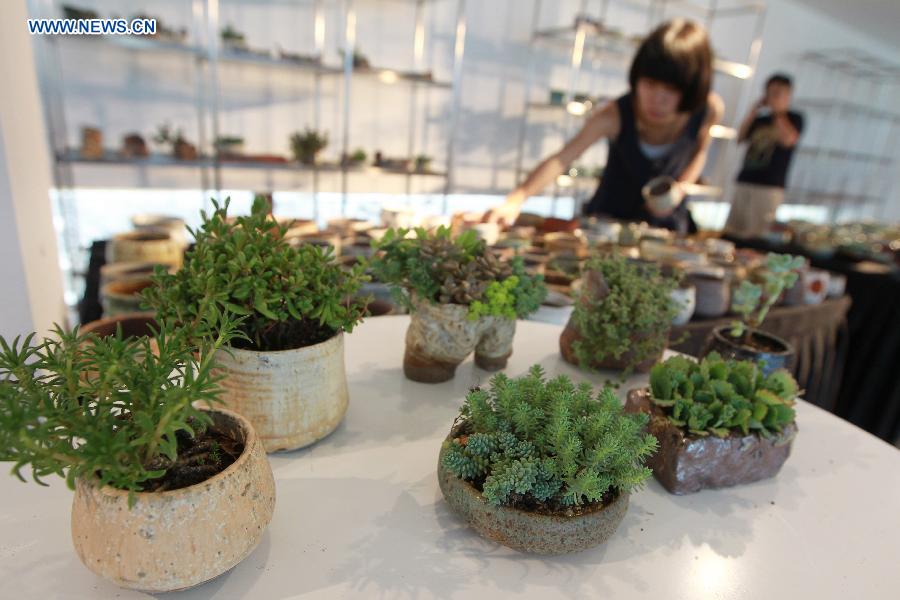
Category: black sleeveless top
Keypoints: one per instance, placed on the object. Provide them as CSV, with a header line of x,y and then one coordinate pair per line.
x,y
628,169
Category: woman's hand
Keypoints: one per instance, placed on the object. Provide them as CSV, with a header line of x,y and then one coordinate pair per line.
x,y
507,212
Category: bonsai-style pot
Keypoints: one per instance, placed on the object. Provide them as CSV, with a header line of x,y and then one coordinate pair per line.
x,y
526,531
441,336
815,286
686,463
175,226
177,539
133,325
686,300
292,397
145,246
116,271
123,296
184,150
770,351
713,294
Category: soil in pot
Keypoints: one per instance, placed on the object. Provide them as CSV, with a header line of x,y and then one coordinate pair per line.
x,y
758,346
133,325
288,335
199,458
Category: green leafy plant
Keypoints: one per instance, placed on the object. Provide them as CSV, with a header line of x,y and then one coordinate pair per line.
x,y
440,269
233,37
307,145
752,301
631,321
359,156
716,396
545,444
288,296
113,408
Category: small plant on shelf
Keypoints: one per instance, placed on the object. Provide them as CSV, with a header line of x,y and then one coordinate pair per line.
x,y
716,396
307,145
550,445
175,140
458,287
233,38
752,301
622,316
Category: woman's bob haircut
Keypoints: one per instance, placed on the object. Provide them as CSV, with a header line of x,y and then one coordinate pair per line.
x,y
677,53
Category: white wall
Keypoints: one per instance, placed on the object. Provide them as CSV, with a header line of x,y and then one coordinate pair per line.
x,y
31,294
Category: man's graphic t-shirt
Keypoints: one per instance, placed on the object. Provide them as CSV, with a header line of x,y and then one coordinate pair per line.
x,y
767,161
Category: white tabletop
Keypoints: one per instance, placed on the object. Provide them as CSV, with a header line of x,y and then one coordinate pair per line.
x,y
360,514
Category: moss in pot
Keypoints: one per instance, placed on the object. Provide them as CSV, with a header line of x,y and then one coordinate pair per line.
x,y
622,316
461,297
744,339
170,491
286,372
719,422
543,466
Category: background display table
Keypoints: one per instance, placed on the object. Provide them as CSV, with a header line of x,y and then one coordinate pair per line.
x,y
360,515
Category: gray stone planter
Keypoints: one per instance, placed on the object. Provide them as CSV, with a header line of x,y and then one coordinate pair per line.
x,y
685,464
527,531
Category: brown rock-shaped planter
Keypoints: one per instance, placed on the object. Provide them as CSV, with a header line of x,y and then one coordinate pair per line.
x,y
685,463
441,336
292,397
530,531
177,539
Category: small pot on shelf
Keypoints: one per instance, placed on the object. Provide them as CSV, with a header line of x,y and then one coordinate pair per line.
x,y
761,347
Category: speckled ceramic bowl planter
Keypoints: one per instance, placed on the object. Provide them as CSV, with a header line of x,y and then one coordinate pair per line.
x,y
292,397
441,336
685,464
177,539
528,531
145,246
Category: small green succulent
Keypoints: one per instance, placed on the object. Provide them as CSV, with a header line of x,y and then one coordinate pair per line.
x,y
531,441
716,396
752,301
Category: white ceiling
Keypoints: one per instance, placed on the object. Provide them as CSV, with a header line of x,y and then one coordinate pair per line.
x,y
877,18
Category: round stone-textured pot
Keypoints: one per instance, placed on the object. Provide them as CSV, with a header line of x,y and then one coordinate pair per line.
x,y
177,539
123,296
781,355
292,397
174,226
570,335
686,300
145,246
713,295
528,531
441,336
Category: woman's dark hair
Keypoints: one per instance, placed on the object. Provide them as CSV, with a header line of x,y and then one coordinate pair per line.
x,y
677,53
780,78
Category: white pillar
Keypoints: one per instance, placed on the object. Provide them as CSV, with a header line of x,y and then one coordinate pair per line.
x,y
31,288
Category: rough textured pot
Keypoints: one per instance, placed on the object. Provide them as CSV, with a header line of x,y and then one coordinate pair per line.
x,y
566,243
292,397
116,271
685,464
133,325
177,539
686,300
123,296
173,225
441,336
145,246
780,357
713,295
528,531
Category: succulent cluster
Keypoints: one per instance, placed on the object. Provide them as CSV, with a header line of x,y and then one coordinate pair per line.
x,y
716,396
752,301
629,317
537,443
444,270
113,408
287,296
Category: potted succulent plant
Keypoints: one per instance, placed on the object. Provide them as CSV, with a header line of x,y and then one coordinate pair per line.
x,y
423,163
719,422
181,149
622,316
307,145
286,372
743,339
462,299
229,145
170,491
543,466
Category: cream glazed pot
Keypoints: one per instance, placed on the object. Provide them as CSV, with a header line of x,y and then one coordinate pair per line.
x,y
292,397
180,538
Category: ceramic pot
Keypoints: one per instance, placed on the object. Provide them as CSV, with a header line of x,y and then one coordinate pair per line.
x,y
713,294
145,246
686,299
815,286
441,336
529,531
292,397
565,243
779,355
177,539
837,285
116,271
133,325
175,226
685,463
123,296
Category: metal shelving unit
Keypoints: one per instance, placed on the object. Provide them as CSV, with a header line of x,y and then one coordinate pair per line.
x,y
594,40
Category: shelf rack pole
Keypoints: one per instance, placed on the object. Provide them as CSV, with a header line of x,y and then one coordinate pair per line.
x,y
212,32
198,22
349,48
319,37
529,83
418,52
459,52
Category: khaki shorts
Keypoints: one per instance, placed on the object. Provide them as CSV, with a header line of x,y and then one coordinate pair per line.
x,y
753,209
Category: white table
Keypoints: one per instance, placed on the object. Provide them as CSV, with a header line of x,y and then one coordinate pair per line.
x,y
360,514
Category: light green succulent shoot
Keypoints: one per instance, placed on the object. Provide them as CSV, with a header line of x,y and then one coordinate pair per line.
x,y
752,301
